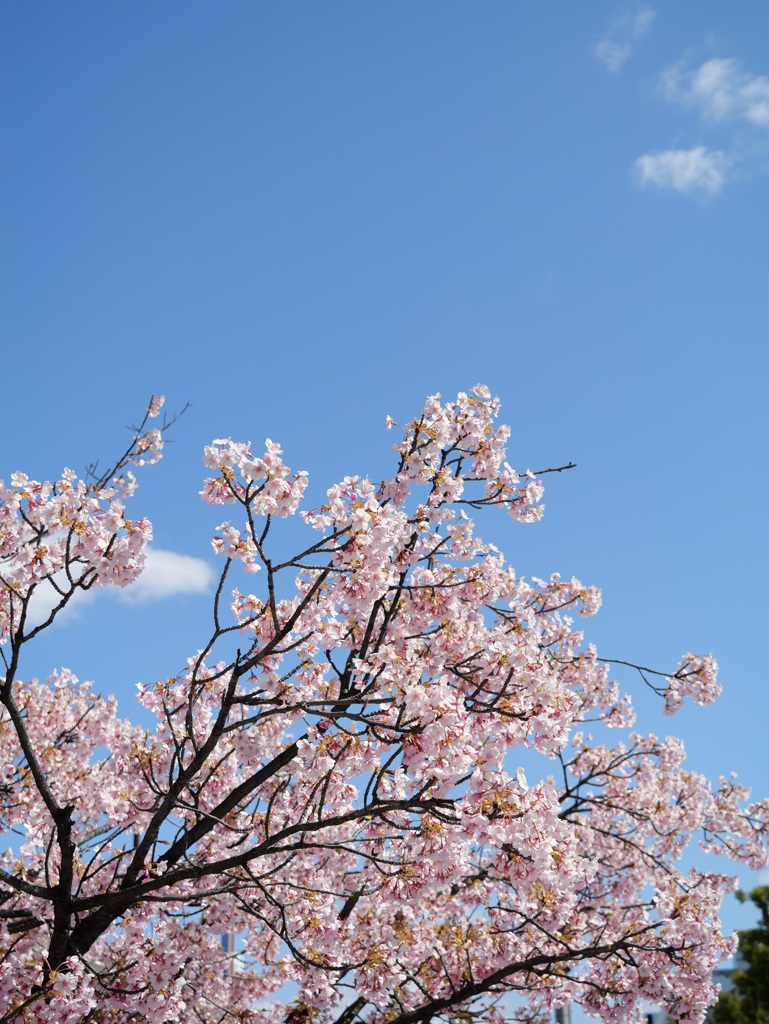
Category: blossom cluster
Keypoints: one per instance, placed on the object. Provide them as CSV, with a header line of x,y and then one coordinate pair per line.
x,y
59,537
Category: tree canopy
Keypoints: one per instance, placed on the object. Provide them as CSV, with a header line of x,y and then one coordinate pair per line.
x,y
749,1002
333,780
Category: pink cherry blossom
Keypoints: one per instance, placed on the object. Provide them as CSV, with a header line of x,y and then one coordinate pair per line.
x,y
329,820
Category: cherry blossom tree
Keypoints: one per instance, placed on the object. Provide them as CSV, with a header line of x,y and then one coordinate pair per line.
x,y
333,782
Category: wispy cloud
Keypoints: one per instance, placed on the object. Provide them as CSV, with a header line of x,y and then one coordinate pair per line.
x,y
617,43
720,90
167,574
46,598
698,172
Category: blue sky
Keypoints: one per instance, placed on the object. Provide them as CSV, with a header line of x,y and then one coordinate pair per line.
x,y
302,217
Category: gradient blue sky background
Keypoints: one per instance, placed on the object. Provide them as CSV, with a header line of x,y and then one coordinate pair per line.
x,y
301,217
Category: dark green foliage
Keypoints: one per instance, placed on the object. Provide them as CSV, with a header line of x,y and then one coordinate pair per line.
x,y
749,1003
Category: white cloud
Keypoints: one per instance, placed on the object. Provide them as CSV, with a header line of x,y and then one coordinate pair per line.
x,y
616,45
45,599
697,172
167,574
720,90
